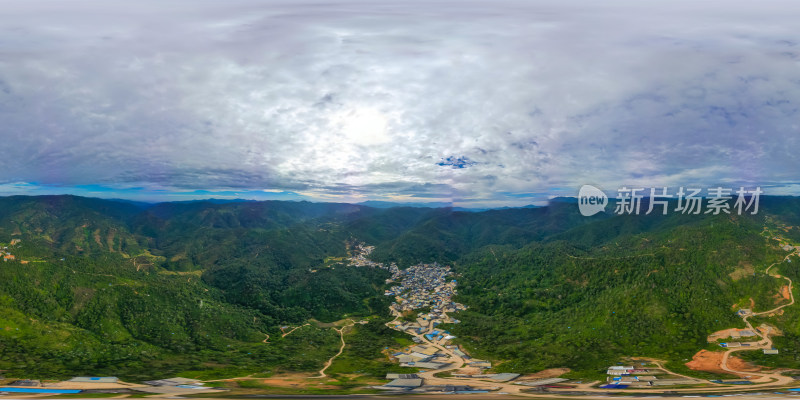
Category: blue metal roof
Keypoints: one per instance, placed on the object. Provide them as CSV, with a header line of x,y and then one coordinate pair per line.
x,y
613,386
37,390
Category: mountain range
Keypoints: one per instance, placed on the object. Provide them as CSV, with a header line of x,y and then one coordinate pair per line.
x,y
203,288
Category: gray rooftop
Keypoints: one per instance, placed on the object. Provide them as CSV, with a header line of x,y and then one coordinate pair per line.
x,y
173,382
428,365
504,377
401,376
410,383
539,382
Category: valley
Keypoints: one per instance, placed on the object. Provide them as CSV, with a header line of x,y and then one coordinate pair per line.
x,y
333,298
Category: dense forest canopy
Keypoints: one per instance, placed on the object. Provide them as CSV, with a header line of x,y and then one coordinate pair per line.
x,y
142,290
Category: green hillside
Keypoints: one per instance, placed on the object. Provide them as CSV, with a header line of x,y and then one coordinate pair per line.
x,y
656,293
103,287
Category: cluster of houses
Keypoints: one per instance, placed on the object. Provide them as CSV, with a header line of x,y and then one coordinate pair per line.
x,y
360,252
412,383
425,286
422,356
740,333
735,345
7,256
736,336
426,326
359,258
106,384
621,377
421,286
788,247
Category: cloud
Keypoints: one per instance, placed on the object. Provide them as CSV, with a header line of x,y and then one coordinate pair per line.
x,y
361,100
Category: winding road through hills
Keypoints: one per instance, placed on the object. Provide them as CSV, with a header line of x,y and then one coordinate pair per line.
x,y
294,329
773,380
766,341
765,380
341,350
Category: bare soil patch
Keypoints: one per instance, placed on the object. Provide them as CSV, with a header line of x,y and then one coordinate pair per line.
x,y
710,361
468,371
785,293
742,270
547,373
295,380
723,334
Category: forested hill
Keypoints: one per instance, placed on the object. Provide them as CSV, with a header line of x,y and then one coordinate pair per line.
x,y
632,286
122,284
191,235
125,286
114,288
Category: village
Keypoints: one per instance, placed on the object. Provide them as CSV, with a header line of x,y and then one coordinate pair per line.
x,y
423,295
643,375
423,301
88,385
429,288
6,253
422,306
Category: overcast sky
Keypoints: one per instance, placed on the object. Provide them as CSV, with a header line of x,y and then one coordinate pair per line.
x,y
490,103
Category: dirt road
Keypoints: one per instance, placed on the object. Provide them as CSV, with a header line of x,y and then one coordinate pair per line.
x,y
341,350
765,380
294,329
766,341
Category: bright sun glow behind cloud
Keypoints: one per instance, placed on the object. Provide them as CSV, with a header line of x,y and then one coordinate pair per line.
x,y
363,126
484,103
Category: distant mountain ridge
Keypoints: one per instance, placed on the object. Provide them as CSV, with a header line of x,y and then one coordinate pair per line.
x,y
124,283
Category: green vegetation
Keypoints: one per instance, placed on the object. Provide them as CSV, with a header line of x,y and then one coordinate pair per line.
x,y
193,289
76,318
97,306
585,303
245,387
367,351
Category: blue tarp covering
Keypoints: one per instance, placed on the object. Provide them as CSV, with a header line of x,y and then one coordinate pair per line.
x,y
612,386
37,390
